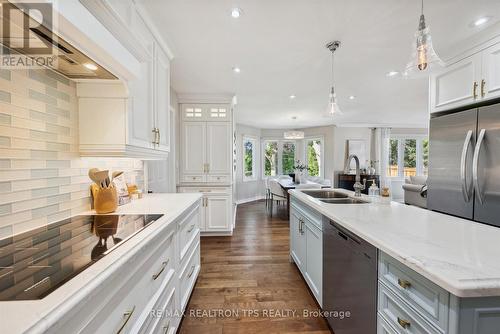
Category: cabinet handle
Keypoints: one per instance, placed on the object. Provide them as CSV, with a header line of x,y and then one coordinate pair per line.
x,y
158,138
474,90
190,229
404,283
483,84
163,266
127,316
166,328
404,323
192,271
301,231
154,136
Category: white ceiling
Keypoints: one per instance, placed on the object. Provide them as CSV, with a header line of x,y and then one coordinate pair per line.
x,y
280,47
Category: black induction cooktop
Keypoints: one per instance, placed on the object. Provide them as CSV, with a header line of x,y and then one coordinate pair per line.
x,y
37,262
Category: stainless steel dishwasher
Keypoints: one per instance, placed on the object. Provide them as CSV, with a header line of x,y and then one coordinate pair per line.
x,y
349,281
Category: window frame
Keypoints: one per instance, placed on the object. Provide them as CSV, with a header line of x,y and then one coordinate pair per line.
x,y
322,157
253,140
280,142
401,150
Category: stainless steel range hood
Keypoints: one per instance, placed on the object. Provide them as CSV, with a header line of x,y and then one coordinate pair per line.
x,y
67,60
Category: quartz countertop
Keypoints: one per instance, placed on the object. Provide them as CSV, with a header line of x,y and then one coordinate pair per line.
x,y
459,255
35,316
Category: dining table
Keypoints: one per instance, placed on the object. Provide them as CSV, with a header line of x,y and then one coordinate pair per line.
x,y
288,184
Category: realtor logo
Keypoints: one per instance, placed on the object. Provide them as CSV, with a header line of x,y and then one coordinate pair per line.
x,y
27,38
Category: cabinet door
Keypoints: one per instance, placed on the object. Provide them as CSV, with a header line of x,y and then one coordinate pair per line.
x,y
218,147
193,153
297,241
491,71
162,92
314,259
217,213
140,121
216,113
454,86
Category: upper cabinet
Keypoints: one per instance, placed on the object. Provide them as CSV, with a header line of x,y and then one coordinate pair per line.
x,y
470,80
144,104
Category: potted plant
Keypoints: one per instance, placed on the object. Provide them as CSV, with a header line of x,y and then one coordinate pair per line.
x,y
300,169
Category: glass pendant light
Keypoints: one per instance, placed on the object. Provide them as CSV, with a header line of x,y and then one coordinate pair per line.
x,y
333,107
294,134
423,57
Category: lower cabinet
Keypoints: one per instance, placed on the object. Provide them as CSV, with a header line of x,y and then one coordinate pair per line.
x,y
306,246
148,293
216,209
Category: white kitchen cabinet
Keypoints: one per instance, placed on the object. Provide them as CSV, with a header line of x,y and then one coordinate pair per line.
x,y
473,79
146,111
206,144
216,209
456,86
491,71
306,246
297,240
218,148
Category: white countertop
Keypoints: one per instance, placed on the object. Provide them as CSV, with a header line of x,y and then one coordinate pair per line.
x,y
459,255
35,316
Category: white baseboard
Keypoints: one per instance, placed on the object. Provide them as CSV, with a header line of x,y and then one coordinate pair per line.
x,y
251,199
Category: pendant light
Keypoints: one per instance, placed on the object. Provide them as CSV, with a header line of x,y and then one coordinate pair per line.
x,y
423,57
333,107
294,134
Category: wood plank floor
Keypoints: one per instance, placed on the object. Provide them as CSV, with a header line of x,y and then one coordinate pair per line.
x,y
246,277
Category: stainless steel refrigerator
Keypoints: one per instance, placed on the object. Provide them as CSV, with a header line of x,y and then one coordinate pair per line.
x,y
464,164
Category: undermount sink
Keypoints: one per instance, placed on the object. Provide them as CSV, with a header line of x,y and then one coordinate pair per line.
x,y
343,201
325,194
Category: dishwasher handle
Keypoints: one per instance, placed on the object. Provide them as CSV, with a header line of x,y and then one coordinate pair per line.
x,y
343,233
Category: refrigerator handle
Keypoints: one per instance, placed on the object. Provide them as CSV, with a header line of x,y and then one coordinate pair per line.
x,y
475,162
463,166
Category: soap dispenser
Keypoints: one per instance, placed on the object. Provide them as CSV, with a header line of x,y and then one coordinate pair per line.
x,y
373,190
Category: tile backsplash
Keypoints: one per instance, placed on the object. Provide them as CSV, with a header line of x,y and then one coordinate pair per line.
x,y
42,177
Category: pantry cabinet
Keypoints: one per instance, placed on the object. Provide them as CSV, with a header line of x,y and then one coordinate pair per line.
x,y
206,145
473,79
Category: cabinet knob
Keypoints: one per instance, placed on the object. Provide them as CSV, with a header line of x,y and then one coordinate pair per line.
x,y
404,283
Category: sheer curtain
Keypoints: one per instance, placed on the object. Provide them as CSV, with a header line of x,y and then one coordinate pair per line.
x,y
382,137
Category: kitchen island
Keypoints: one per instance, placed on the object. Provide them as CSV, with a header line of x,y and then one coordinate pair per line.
x,y
143,284
439,273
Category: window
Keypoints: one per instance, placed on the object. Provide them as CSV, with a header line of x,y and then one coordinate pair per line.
x,y
270,158
278,157
288,157
408,156
314,156
249,159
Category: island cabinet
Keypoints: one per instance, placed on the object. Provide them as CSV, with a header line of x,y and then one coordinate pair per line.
x,y
148,292
410,303
306,246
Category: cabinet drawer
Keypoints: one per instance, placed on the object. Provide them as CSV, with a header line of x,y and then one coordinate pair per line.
x,y
189,231
163,317
383,326
188,276
422,295
193,178
218,179
399,315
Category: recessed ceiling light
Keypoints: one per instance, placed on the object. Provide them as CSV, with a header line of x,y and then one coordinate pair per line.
x,y
90,66
352,97
236,69
482,20
235,13
292,96
392,73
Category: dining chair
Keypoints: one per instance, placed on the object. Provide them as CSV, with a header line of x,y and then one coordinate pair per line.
x,y
277,194
268,190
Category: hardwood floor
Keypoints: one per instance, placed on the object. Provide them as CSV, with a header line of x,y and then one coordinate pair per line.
x,y
247,278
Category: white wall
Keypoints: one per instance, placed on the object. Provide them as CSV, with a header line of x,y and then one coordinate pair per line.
x,y
248,190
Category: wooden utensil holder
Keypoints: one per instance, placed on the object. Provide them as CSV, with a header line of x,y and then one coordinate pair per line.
x,y
105,199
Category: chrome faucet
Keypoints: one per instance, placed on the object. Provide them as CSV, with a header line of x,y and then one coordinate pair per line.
x,y
358,186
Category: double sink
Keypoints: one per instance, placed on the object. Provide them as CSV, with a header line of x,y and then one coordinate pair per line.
x,y
333,197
